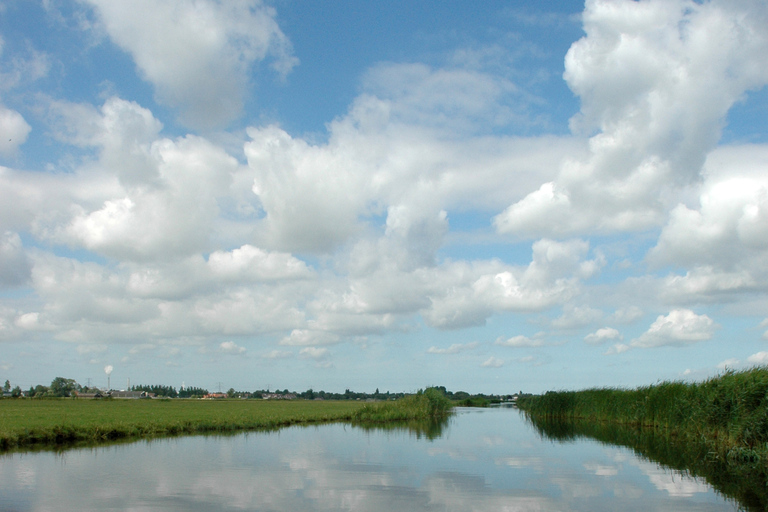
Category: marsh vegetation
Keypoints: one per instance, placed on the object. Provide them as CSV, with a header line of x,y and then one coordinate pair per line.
x,y
717,429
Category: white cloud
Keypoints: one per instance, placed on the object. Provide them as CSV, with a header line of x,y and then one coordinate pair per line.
x,y
197,54
553,277
15,266
576,316
493,362
314,353
13,131
657,80
249,263
459,99
303,337
760,358
603,335
521,341
627,315
167,202
722,241
453,349
277,354
728,363
679,327
618,348
230,347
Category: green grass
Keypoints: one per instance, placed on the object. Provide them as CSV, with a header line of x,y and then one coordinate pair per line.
x,y
25,423
426,404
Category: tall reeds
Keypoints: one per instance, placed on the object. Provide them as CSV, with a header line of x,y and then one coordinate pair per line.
x,y
430,403
732,408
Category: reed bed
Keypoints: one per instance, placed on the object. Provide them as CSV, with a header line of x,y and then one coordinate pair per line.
x,y
731,409
427,404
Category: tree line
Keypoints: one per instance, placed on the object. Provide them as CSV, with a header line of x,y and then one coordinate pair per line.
x,y
63,387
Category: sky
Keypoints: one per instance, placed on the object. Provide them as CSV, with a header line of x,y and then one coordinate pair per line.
x,y
492,196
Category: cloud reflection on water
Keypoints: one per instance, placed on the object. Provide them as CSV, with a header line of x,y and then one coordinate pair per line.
x,y
337,467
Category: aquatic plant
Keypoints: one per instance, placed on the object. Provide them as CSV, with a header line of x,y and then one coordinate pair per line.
x,y
732,407
722,423
425,404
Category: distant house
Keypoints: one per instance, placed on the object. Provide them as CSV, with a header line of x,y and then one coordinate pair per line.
x,y
131,394
279,396
97,394
214,396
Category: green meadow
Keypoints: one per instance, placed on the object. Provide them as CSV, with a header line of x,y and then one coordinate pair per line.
x,y
29,422
25,423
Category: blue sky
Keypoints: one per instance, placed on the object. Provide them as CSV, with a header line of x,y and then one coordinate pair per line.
x,y
493,196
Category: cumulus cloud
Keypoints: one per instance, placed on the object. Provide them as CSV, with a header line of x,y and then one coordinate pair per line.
x,y
656,79
453,349
13,131
493,362
197,54
604,335
304,337
760,358
15,266
166,201
249,263
521,341
576,316
729,363
680,327
314,353
230,347
277,354
722,240
553,276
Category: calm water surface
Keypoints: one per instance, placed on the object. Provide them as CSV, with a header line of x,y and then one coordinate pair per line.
x,y
485,460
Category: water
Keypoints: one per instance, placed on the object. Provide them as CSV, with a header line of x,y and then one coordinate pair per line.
x,y
484,460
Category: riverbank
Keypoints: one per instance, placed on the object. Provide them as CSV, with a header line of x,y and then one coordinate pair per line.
x,y
731,409
428,404
725,417
26,423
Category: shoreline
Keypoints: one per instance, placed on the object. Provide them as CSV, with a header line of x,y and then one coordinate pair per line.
x,y
32,423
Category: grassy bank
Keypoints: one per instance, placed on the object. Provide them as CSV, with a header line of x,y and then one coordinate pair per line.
x,y
25,423
731,410
426,404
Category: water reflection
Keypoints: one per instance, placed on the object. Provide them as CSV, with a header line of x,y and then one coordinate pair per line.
x,y
480,460
696,460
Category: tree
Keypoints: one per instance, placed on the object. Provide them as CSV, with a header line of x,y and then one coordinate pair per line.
x,y
63,387
7,386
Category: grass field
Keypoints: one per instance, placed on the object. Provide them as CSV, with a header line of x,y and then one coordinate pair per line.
x,y
26,422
